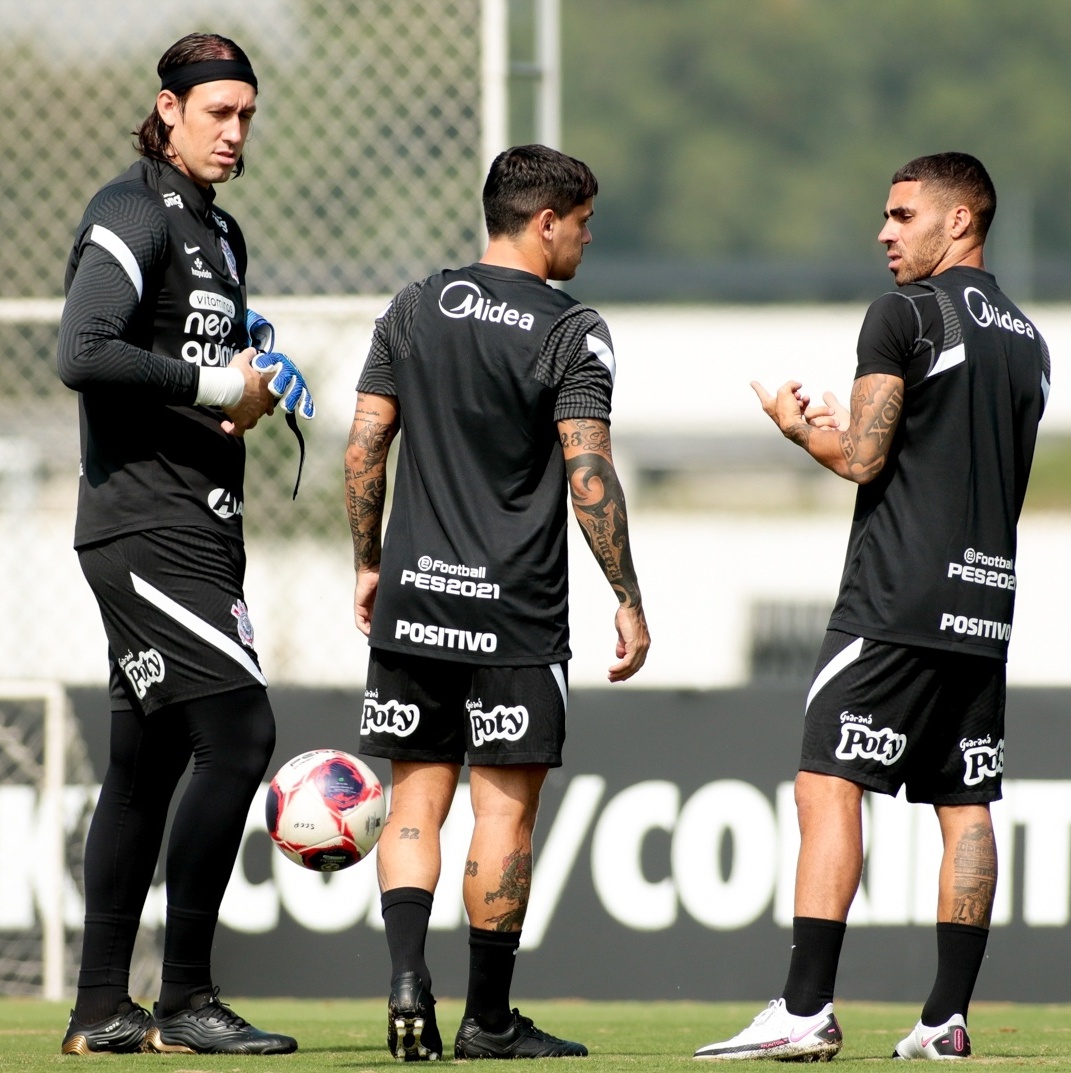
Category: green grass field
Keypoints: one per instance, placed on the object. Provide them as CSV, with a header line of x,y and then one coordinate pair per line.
x,y
638,1037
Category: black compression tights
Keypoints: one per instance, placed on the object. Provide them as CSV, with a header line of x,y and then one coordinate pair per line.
x,y
230,737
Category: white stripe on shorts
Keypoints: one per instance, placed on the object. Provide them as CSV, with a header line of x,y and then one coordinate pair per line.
x,y
197,626
837,664
559,677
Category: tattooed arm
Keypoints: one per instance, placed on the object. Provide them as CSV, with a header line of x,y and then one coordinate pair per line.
x,y
599,505
853,445
375,424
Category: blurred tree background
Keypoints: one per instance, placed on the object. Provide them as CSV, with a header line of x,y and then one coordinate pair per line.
x,y
744,147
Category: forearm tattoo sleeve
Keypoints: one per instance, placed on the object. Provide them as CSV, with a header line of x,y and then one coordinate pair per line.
x,y
599,504
366,486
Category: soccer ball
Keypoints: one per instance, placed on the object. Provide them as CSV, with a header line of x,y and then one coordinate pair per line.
x,y
325,810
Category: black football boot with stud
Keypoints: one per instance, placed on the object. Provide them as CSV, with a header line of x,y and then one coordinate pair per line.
x,y
122,1033
412,1032
212,1027
519,1039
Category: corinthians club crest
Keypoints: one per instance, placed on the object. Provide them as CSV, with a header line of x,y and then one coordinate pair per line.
x,y
245,625
228,256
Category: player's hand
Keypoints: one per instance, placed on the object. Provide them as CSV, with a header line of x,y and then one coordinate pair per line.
x,y
286,383
261,332
832,415
256,400
364,598
787,407
633,641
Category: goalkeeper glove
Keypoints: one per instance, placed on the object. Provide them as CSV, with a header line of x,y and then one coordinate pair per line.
x,y
261,332
287,384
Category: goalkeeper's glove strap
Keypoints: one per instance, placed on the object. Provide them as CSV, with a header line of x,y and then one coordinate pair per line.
x,y
291,420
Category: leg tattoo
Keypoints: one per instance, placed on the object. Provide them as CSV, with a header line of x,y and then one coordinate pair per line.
x,y
515,887
975,877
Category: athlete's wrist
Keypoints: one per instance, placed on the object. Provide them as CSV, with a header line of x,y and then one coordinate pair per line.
x,y
798,432
219,387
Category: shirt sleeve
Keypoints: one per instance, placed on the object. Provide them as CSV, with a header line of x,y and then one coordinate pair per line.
x,y
390,342
120,244
889,336
577,358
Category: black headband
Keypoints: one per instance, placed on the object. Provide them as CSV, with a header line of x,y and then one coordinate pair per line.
x,y
180,79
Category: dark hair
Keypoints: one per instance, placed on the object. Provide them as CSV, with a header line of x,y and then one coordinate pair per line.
x,y
154,135
958,177
526,179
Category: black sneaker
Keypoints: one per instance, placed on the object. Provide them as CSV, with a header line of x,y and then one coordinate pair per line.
x,y
122,1033
212,1028
412,1034
520,1040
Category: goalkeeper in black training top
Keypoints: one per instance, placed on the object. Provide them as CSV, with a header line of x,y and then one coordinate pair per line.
x,y
155,337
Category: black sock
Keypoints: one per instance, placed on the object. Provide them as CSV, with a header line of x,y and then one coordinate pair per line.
x,y
406,912
187,968
235,735
94,1004
960,950
176,996
147,758
492,955
812,972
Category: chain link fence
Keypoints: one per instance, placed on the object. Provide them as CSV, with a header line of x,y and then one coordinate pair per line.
x,y
363,172
364,163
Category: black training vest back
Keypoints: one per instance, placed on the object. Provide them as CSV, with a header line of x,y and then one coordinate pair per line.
x,y
474,562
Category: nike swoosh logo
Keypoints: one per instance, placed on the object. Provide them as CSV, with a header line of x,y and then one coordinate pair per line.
x,y
190,249
926,1042
795,1037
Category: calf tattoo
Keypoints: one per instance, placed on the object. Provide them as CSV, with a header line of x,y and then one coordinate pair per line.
x,y
515,886
975,879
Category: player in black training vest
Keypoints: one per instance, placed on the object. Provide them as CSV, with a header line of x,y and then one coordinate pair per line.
x,y
155,337
950,385
501,387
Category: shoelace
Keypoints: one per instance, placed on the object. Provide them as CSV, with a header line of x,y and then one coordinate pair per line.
x,y
766,1014
133,1009
528,1024
216,1007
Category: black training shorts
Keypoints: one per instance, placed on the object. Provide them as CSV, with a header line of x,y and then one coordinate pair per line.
x,y
175,616
886,716
439,711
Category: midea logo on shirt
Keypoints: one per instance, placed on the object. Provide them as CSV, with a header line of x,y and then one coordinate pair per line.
x,y
468,301
986,315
